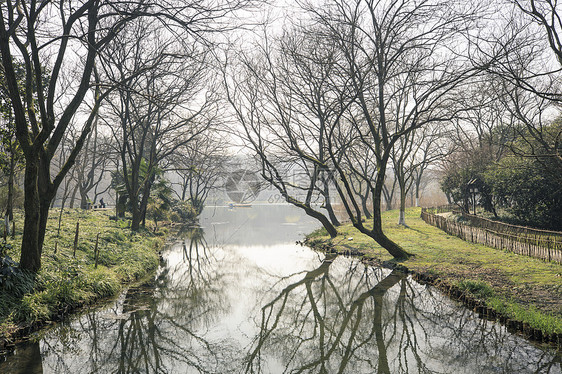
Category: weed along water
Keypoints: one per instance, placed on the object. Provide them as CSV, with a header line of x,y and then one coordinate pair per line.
x,y
237,295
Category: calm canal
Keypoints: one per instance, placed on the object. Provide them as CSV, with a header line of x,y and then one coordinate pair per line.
x,y
239,296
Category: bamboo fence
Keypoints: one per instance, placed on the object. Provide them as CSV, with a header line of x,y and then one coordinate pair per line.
x,y
542,244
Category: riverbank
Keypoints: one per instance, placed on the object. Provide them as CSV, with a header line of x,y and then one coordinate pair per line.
x,y
67,282
522,292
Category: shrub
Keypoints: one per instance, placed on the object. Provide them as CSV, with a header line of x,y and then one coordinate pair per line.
x,y
13,280
476,288
185,211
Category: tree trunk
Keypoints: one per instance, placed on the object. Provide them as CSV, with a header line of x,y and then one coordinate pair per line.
x,y
144,201
388,196
377,233
184,191
45,204
333,218
73,197
379,236
137,216
315,214
323,220
364,200
30,250
83,198
10,198
10,202
402,214
135,222
47,193
466,204
328,204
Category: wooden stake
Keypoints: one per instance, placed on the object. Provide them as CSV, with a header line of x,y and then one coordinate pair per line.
x,y
76,238
96,251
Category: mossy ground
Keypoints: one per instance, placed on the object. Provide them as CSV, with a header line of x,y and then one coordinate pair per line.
x,y
523,288
66,282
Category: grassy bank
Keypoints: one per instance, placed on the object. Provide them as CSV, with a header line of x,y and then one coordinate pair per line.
x,y
519,288
65,282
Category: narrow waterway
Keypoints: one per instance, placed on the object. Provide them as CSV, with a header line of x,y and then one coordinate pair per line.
x,y
239,296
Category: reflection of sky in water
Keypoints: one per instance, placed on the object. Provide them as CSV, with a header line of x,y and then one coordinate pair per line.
x,y
223,303
259,225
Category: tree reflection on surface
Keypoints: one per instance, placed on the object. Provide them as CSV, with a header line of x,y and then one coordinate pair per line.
x,y
368,320
222,304
358,319
158,327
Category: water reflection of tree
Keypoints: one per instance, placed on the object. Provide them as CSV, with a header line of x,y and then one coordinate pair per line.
x,y
314,323
339,317
357,319
196,257
29,361
195,281
479,345
158,327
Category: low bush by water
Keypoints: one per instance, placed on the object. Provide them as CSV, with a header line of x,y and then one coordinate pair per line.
x,y
477,288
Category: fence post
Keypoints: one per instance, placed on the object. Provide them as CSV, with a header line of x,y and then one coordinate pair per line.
x,y
96,250
511,238
76,239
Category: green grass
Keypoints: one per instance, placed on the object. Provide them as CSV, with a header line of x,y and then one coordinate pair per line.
x,y
530,314
524,288
64,282
478,289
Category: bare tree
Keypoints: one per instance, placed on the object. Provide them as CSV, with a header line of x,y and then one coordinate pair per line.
x,y
527,57
535,131
92,166
159,111
56,38
401,60
282,105
363,164
478,137
10,161
411,157
547,14
200,166
388,191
